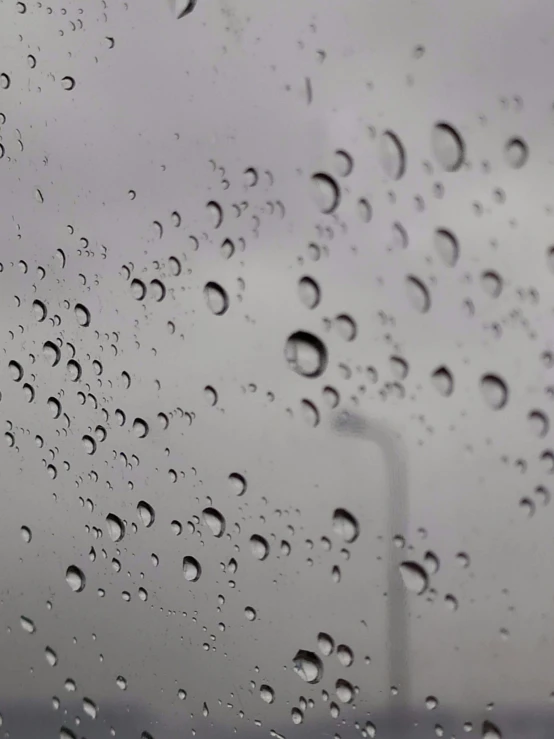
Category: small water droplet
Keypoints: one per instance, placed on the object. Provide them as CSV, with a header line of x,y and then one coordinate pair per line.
x,y
491,282
250,613
138,289
140,427
267,694
345,655
447,247
39,309
344,691
494,391
89,444
414,577
392,155
309,292
26,534
5,81
490,731
16,370
215,213
27,625
51,656
443,381
51,353
68,83
90,708
516,152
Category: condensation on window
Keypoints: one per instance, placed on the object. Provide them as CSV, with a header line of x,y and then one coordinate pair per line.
x,y
276,356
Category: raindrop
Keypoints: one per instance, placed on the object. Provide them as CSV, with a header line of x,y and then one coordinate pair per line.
x,y
140,428
214,521
267,694
82,314
431,562
238,483
443,381
138,289
538,423
346,327
494,391
215,213
89,444
399,367
308,666
392,155
325,643
309,292
27,625
55,407
75,579
414,577
250,613
516,152
68,83
191,569
491,282
146,513
431,703
490,731
16,370
39,309
90,708
325,192
298,716
121,683
116,527
227,249
345,655
344,163
51,656
345,525
51,353
418,294
446,245
306,354
158,290
26,534
344,691
216,298
448,147
259,547
210,394
310,414
74,370
4,81
184,7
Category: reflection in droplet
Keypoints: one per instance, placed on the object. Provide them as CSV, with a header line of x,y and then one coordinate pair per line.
x,y
325,192
214,521
146,513
418,294
191,569
494,391
448,147
392,155
308,666
306,354
259,547
216,298
345,525
414,577
116,527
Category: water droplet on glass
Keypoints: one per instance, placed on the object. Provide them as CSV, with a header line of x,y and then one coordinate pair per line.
x,y
345,525
344,163
325,644
490,731
89,444
392,155
446,245
310,413
250,613
140,427
443,381
146,513
259,547
68,83
51,657
418,294
516,152
116,527
494,391
121,683
157,289
345,655
215,213
216,298
74,370
491,282
306,354
75,579
344,691
16,370
538,423
308,666
238,483
267,694
414,577
308,291
51,353
26,534
82,314
55,407
191,569
90,708
4,81
346,327
27,625
325,192
39,309
448,147
214,521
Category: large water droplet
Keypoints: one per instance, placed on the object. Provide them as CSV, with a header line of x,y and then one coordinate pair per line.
x,y
267,694
418,294
308,291
344,691
447,246
325,192
191,569
308,666
75,579
494,391
414,577
214,521
146,513
259,547
392,155
82,314
140,427
345,525
448,147
16,370
238,483
345,655
116,527
68,83
216,298
325,644
306,354
51,353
